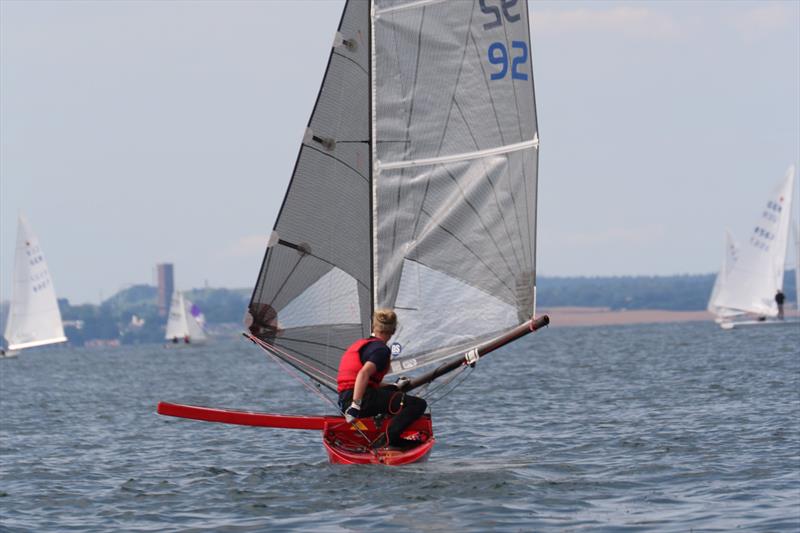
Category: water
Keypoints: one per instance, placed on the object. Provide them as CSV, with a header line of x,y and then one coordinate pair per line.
x,y
635,428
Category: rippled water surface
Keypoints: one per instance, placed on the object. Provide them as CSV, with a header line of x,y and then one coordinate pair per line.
x,y
635,428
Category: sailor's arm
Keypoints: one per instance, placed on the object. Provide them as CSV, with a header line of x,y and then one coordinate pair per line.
x,y
362,378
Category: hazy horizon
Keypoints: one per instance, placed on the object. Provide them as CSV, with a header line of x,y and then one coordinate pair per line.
x,y
135,133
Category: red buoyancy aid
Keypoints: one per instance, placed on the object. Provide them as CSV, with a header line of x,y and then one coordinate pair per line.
x,y
351,364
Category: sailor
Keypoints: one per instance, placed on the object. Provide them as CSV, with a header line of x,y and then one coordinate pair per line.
x,y
779,298
361,392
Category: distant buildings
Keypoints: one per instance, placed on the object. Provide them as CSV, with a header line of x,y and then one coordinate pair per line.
x,y
165,273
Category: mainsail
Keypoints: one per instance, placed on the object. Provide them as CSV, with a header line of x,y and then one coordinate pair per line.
x,y
182,322
34,318
414,189
758,273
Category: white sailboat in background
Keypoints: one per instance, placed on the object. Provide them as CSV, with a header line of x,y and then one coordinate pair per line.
x,y
749,284
33,317
185,323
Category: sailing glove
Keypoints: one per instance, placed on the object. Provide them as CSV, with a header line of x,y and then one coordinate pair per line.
x,y
353,412
402,383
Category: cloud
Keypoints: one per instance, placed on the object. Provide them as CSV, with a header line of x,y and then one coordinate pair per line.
x,y
764,19
633,21
247,246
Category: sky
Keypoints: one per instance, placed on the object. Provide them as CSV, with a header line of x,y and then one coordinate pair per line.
x,y
136,132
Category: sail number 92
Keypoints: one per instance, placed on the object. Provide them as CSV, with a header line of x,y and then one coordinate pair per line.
x,y
497,53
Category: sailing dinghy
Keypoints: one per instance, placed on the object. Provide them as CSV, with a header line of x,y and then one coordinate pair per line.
x,y
184,325
33,316
753,272
415,190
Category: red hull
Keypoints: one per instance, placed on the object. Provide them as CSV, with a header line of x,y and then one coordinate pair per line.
x,y
345,443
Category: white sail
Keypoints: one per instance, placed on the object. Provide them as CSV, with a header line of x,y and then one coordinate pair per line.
x,y
758,274
34,318
721,284
182,324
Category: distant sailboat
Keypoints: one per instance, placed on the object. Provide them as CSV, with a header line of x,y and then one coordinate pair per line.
x,y
185,323
33,317
749,285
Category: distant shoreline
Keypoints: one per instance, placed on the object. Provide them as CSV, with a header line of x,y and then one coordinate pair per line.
x,y
604,316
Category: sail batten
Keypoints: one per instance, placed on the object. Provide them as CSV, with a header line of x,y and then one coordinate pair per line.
x,y
533,143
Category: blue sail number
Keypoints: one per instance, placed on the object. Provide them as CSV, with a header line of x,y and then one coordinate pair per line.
x,y
495,12
498,55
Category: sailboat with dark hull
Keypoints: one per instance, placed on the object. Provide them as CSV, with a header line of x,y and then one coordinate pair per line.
x,y
414,189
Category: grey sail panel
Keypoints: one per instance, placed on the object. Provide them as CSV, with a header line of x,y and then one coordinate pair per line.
x,y
456,156
312,296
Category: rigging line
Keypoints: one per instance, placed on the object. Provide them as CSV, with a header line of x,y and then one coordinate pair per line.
x,y
314,343
494,189
297,362
327,154
469,250
317,343
519,122
287,367
351,60
462,375
447,122
303,382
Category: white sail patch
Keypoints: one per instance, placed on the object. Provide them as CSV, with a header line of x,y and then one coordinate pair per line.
x,y
332,299
447,310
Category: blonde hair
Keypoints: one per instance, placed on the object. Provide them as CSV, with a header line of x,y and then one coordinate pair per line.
x,y
384,321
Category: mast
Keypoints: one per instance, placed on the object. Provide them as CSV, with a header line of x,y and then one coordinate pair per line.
x,y
372,174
